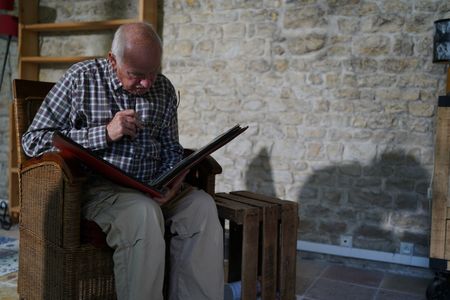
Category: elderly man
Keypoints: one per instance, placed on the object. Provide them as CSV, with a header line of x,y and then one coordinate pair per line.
x,y
126,111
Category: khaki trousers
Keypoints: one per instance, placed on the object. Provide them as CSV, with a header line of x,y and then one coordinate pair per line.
x,y
134,225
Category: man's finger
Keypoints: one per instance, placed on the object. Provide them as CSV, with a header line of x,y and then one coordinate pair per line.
x,y
126,112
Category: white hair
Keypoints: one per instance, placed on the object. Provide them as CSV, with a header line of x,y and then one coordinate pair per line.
x,y
123,34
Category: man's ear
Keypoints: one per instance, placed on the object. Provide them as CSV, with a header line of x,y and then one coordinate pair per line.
x,y
112,60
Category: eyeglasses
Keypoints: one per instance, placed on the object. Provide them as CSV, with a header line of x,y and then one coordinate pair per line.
x,y
141,76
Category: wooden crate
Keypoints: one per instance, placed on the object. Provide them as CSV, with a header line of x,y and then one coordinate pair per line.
x,y
262,243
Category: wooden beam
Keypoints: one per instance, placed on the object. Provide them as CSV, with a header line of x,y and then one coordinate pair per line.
x,y
55,59
448,81
77,26
440,185
148,12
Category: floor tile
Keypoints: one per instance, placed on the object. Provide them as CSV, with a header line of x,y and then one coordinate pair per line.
x,y
307,272
9,278
13,232
302,283
310,268
353,275
8,291
407,284
326,289
9,256
393,295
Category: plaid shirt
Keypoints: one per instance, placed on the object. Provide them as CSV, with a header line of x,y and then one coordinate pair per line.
x,y
83,102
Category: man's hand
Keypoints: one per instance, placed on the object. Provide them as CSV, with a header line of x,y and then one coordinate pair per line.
x,y
124,123
174,188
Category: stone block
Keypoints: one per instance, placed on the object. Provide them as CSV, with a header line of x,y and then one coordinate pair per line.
x,y
305,17
300,45
366,199
372,46
335,228
399,184
413,222
421,109
371,232
332,197
359,152
383,23
315,151
335,152
406,202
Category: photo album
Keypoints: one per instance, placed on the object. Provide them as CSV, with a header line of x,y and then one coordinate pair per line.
x,y
72,150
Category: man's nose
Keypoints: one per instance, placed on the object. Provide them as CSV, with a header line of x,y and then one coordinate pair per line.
x,y
146,83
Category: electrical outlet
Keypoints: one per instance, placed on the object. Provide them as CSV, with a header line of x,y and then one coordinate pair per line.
x,y
346,241
406,248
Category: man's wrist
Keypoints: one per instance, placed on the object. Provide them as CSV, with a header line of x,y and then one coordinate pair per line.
x,y
107,138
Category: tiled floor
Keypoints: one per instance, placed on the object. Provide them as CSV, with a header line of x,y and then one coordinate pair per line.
x,y
316,280
325,281
8,282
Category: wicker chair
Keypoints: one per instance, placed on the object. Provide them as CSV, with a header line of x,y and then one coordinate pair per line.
x,y
57,257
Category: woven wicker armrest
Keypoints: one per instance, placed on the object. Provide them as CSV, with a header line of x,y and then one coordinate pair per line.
x,y
70,168
51,191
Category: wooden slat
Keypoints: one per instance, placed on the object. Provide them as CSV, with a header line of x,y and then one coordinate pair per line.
x,y
13,183
77,26
288,251
28,11
250,256
28,42
448,81
447,241
28,45
53,59
440,185
234,252
148,11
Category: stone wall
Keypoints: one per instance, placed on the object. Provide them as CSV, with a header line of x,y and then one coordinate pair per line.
x,y
339,95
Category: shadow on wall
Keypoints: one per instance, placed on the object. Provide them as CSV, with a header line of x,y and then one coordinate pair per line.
x,y
379,205
47,14
258,177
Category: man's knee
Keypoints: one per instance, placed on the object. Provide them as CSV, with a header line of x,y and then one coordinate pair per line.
x,y
197,212
204,203
140,218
